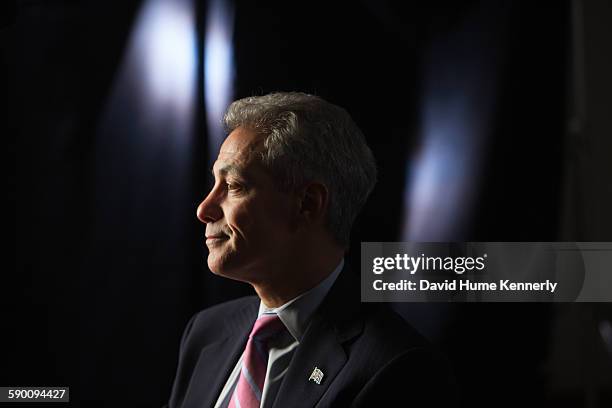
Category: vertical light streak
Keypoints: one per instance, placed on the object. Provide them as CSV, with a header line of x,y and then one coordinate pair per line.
x,y
141,199
458,101
218,70
163,55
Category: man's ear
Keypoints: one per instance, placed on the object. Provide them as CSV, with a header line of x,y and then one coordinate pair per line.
x,y
314,201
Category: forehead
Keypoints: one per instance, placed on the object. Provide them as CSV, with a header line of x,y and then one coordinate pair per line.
x,y
238,149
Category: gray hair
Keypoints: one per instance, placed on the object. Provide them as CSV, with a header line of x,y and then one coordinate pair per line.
x,y
309,139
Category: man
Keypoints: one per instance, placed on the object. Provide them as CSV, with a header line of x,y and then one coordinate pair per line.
x,y
289,181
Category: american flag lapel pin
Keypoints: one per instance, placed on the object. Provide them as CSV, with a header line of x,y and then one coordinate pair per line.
x,y
316,376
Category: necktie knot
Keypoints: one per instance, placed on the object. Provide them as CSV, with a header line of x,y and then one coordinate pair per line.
x,y
266,326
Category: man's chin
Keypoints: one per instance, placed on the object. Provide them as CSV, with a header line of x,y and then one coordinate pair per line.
x,y
225,270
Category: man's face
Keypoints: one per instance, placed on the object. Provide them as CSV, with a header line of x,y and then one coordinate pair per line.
x,y
248,221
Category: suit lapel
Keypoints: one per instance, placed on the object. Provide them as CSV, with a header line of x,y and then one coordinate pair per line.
x,y
218,359
336,320
319,348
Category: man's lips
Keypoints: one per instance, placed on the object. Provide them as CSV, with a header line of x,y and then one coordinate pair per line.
x,y
216,237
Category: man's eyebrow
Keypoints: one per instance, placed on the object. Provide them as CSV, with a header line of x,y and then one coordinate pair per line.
x,y
227,169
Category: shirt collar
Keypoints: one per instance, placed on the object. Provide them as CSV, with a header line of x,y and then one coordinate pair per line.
x,y
296,313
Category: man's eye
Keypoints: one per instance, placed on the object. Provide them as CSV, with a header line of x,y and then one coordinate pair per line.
x,y
233,186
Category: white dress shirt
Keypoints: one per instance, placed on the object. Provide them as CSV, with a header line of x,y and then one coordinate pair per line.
x,y
295,314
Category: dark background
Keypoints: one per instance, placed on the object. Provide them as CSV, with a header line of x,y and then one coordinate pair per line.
x,y
109,260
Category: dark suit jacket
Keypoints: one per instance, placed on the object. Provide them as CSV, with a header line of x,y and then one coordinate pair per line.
x,y
368,354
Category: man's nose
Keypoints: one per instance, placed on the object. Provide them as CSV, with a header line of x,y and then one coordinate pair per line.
x,y
209,209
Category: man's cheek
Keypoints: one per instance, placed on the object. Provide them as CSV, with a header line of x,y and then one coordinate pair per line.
x,y
242,223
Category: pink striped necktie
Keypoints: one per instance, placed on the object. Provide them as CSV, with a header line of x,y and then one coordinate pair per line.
x,y
249,388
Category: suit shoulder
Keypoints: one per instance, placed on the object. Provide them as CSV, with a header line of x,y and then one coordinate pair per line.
x,y
397,354
384,326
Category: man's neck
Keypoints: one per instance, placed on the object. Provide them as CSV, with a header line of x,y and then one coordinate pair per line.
x,y
298,278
